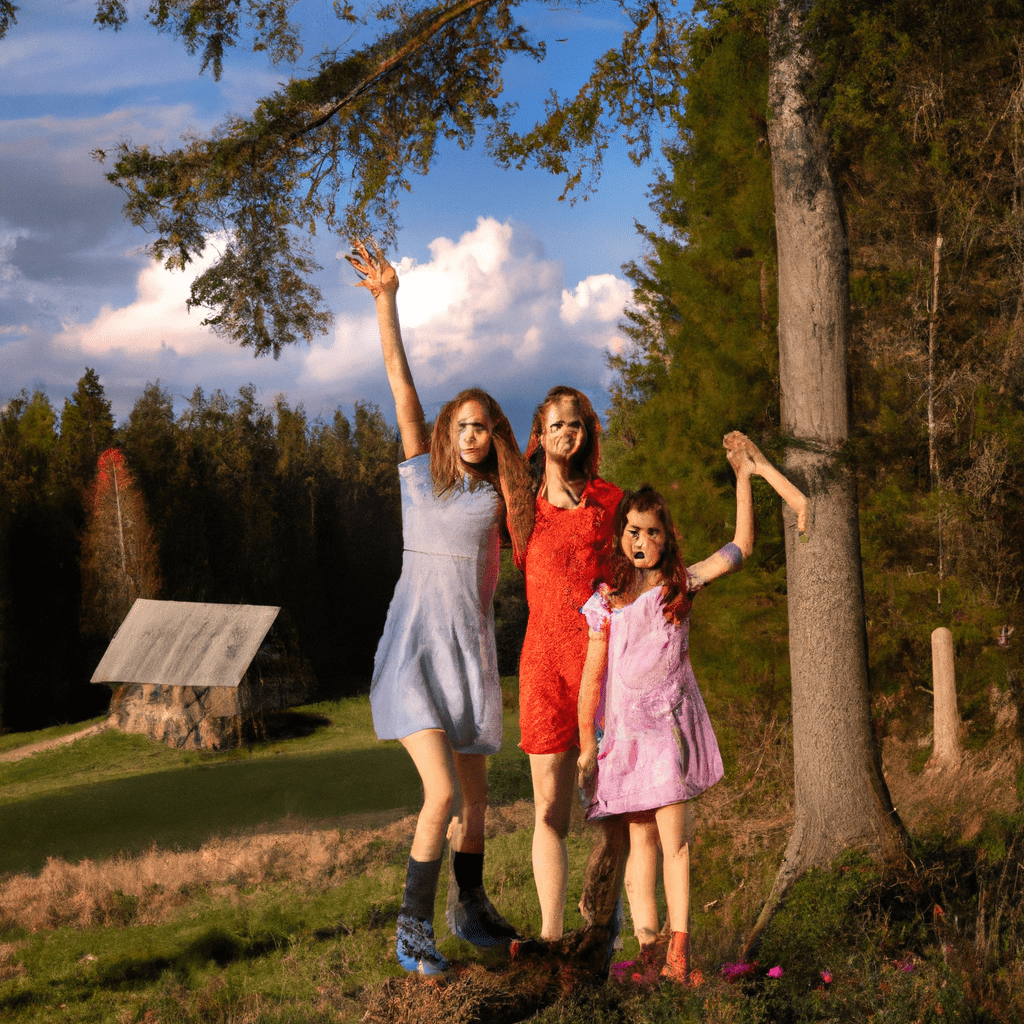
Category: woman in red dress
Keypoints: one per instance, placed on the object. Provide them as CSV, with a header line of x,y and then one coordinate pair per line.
x,y
574,514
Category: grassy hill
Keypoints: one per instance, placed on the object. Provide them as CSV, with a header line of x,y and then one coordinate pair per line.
x,y
149,885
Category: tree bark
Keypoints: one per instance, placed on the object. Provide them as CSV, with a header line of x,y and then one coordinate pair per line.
x,y
841,799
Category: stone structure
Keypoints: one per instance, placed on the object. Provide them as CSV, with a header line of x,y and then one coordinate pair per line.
x,y
200,676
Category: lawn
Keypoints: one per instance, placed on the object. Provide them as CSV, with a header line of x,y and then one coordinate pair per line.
x,y
145,885
117,793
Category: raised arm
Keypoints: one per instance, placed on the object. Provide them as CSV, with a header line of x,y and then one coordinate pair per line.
x,y
380,279
747,460
742,454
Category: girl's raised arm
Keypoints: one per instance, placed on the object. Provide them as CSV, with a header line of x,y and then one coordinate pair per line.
x,y
746,459
380,279
731,557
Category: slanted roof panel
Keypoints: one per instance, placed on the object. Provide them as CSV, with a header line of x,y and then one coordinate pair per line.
x,y
184,643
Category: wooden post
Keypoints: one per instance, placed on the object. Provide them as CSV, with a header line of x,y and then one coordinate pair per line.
x,y
946,745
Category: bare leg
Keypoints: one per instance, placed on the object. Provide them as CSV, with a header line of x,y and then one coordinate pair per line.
x,y
554,788
466,831
469,913
672,829
642,876
432,754
414,940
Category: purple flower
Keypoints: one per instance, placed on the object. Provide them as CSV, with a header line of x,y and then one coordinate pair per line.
x,y
906,964
826,976
731,972
776,972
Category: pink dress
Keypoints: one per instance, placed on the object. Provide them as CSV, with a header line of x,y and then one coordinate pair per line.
x,y
657,746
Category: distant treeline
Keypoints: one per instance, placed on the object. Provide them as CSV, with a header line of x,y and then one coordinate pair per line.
x,y
244,505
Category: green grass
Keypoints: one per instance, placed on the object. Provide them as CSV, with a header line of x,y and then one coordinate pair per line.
x,y
938,939
115,792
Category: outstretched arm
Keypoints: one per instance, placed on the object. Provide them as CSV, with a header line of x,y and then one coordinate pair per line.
x,y
747,460
380,279
742,454
590,697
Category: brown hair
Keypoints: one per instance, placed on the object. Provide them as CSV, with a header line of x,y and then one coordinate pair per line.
x,y
622,570
587,457
504,468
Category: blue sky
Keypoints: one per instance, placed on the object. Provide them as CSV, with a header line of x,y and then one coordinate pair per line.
x,y
502,285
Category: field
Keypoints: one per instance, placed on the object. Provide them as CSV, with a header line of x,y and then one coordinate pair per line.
x,y
143,884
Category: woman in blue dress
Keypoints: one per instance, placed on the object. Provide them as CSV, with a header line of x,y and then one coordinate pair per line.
x,y
435,678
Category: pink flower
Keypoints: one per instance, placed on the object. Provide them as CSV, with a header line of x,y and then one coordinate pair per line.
x,y
826,976
776,972
732,972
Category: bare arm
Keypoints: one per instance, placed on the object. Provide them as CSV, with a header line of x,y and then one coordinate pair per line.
x,y
741,454
590,697
747,460
380,279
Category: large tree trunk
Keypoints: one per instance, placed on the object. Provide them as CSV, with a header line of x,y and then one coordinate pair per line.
x,y
842,801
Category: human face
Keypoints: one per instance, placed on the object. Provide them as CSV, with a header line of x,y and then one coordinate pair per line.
x,y
473,432
643,540
564,431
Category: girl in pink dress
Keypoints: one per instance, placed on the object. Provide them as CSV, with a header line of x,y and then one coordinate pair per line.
x,y
657,748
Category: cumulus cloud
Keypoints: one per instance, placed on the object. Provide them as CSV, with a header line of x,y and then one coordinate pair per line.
x,y
157,319
488,308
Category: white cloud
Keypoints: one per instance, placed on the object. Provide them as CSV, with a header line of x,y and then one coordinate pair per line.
x,y
158,319
487,304
599,299
488,308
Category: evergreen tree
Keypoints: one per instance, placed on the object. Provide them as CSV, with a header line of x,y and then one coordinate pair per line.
x,y
41,656
86,430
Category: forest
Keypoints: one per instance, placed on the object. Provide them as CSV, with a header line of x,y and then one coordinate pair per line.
x,y
243,503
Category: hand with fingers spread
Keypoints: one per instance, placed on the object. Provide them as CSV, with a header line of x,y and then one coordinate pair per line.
x,y
378,276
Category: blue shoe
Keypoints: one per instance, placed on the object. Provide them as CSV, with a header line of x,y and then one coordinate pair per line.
x,y
472,917
416,949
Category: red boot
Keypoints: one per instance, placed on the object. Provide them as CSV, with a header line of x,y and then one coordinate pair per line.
x,y
677,963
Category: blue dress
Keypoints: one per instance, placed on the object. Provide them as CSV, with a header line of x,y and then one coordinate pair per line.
x,y
436,665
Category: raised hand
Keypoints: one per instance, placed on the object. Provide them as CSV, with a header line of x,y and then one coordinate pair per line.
x,y
742,453
377,275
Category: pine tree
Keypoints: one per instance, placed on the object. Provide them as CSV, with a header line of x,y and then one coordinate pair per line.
x,y
86,430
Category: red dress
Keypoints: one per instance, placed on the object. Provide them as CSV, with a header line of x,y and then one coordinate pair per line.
x,y
562,563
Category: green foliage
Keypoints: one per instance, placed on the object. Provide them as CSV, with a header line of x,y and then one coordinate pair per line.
x,y
213,28
701,359
86,430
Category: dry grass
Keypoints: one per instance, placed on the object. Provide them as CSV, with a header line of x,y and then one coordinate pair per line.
x,y
151,888
956,802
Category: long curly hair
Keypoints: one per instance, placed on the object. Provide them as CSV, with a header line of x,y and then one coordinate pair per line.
x,y
504,468
622,570
586,459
